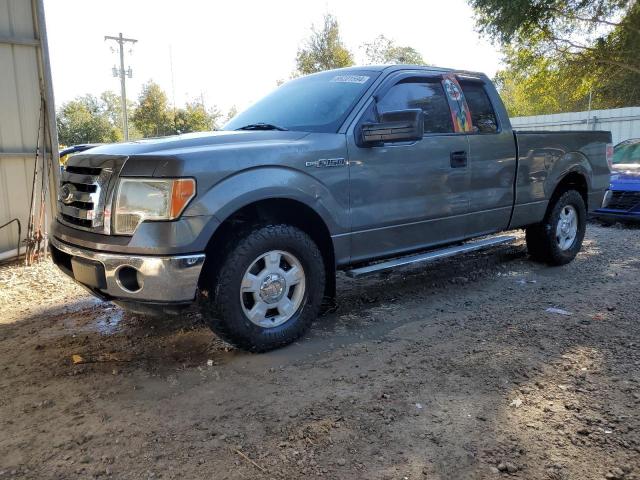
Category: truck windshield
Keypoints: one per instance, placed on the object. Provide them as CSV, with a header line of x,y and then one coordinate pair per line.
x,y
627,153
315,103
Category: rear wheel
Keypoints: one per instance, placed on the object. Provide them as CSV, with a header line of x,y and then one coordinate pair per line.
x,y
558,239
268,289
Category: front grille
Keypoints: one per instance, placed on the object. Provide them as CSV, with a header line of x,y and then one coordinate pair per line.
x,y
81,192
621,200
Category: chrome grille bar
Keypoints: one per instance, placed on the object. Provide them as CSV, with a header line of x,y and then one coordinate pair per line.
x,y
75,212
85,197
78,178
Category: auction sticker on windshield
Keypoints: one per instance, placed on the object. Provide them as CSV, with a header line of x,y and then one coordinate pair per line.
x,y
350,79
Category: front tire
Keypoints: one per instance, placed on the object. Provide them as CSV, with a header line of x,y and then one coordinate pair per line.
x,y
268,289
558,239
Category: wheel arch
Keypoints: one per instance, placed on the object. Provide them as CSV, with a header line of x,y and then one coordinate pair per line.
x,y
274,210
572,171
575,179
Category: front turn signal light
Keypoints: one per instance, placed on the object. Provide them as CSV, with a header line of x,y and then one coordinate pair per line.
x,y
182,192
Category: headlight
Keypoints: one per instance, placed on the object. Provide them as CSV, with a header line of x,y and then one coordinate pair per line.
x,y
150,199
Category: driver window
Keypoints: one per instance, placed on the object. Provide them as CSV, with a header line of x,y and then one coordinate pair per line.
x,y
419,93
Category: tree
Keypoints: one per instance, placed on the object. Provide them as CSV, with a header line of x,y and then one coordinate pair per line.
x,y
99,120
566,49
534,85
323,49
152,116
112,105
384,51
195,118
591,30
84,120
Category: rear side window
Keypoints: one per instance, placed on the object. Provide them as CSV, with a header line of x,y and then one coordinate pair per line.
x,y
419,93
483,117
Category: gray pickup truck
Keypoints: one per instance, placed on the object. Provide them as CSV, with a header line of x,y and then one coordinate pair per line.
x,y
359,169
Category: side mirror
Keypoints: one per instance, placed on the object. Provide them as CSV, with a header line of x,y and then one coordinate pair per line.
x,y
398,126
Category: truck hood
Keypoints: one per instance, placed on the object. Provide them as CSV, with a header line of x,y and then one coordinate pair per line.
x,y
626,177
197,155
180,144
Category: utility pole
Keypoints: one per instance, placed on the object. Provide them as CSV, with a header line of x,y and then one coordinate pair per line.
x,y
122,74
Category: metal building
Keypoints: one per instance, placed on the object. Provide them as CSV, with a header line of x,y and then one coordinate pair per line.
x,y
27,119
623,123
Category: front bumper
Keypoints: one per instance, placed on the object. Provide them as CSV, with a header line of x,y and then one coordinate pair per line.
x,y
137,278
616,216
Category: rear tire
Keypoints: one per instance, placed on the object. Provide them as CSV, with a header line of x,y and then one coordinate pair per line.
x,y
558,239
268,289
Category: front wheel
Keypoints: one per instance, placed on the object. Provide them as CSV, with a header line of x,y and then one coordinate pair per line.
x,y
558,239
268,289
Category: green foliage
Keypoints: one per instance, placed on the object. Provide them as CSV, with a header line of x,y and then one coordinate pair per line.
x,y
85,120
520,20
616,58
323,50
557,52
152,116
195,118
113,109
384,51
535,85
99,120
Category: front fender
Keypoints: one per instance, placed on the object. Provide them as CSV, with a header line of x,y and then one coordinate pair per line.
x,y
262,183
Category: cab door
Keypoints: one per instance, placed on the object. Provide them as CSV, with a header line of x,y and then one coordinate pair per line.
x,y
492,160
408,195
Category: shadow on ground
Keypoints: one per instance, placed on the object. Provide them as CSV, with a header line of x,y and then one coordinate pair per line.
x,y
454,371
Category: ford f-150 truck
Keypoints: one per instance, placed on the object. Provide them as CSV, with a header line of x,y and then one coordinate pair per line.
x,y
358,169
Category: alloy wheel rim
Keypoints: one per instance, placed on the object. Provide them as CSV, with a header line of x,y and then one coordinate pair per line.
x,y
567,228
272,288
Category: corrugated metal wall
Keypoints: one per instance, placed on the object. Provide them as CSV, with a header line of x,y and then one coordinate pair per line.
x,y
623,123
25,87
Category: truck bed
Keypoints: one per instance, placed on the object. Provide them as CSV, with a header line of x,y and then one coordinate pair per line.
x,y
546,156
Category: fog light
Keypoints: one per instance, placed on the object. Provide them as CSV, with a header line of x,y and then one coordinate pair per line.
x,y
607,199
129,279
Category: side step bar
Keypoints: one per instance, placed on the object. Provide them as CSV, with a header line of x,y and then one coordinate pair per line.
x,y
429,256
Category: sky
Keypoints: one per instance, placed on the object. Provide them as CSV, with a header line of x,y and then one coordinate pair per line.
x,y
231,53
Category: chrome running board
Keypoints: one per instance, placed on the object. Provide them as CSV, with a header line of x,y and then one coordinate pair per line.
x,y
429,256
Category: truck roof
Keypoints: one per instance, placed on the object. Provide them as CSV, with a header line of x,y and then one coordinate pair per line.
x,y
397,67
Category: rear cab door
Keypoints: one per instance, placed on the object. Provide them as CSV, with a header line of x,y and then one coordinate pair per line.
x,y
492,157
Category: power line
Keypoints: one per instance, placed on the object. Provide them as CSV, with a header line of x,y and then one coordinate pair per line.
x,y
122,73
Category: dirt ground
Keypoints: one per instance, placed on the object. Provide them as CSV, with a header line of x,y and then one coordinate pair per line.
x,y
450,371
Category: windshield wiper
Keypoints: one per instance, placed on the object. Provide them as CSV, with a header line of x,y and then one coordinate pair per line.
x,y
262,126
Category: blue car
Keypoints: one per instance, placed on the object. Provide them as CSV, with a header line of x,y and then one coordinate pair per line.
x,y
622,201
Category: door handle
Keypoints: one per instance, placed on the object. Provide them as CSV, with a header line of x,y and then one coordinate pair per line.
x,y
459,159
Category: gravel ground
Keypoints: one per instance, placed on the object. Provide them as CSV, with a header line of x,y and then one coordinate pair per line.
x,y
452,371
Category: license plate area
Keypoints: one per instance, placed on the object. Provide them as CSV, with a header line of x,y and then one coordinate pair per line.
x,y
89,273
